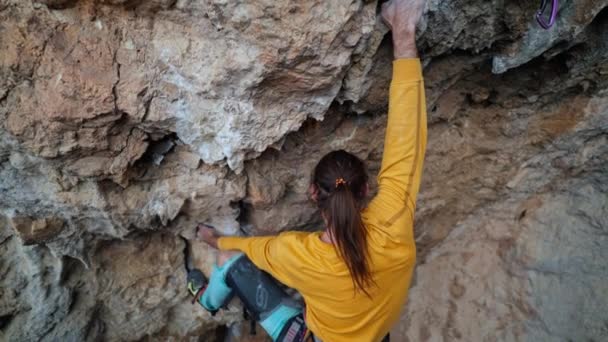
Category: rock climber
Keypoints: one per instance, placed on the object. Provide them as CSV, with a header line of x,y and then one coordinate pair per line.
x,y
354,275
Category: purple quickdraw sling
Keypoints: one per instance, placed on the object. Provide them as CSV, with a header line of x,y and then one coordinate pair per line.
x,y
541,11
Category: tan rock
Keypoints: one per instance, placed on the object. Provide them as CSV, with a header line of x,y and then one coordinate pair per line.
x,y
123,124
35,231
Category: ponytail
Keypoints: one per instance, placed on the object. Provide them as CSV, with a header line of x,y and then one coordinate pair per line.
x,y
349,235
340,179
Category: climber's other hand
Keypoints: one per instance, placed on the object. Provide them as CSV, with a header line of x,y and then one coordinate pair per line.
x,y
207,234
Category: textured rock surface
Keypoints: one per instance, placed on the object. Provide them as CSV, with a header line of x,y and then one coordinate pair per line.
x,y
125,122
529,264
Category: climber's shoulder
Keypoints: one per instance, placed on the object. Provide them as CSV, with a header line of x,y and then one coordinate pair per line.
x,y
299,242
293,235
295,239
389,232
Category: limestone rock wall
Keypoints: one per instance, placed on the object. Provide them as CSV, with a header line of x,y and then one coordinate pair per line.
x,y
123,123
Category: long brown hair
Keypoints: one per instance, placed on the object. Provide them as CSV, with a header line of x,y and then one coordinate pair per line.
x,y
340,180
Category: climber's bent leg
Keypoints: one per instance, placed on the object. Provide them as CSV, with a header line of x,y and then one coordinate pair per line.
x,y
265,300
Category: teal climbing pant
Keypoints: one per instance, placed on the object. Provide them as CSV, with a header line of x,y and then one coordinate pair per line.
x,y
263,298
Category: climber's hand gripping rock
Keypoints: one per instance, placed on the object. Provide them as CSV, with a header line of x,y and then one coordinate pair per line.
x,y
402,16
207,234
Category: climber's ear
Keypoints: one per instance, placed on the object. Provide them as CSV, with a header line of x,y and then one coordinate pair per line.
x,y
365,190
313,192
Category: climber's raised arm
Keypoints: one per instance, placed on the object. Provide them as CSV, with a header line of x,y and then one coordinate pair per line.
x,y
405,140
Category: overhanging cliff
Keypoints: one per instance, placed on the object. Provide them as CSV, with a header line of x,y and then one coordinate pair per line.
x,y
123,123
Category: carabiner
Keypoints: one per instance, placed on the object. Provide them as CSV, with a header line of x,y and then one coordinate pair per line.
x,y
541,11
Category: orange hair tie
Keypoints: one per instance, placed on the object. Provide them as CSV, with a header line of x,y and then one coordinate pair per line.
x,y
340,181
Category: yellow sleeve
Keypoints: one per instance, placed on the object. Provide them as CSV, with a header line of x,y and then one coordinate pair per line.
x,y
404,147
269,253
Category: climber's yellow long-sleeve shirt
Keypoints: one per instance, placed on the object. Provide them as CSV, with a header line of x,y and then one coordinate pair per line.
x,y
302,261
